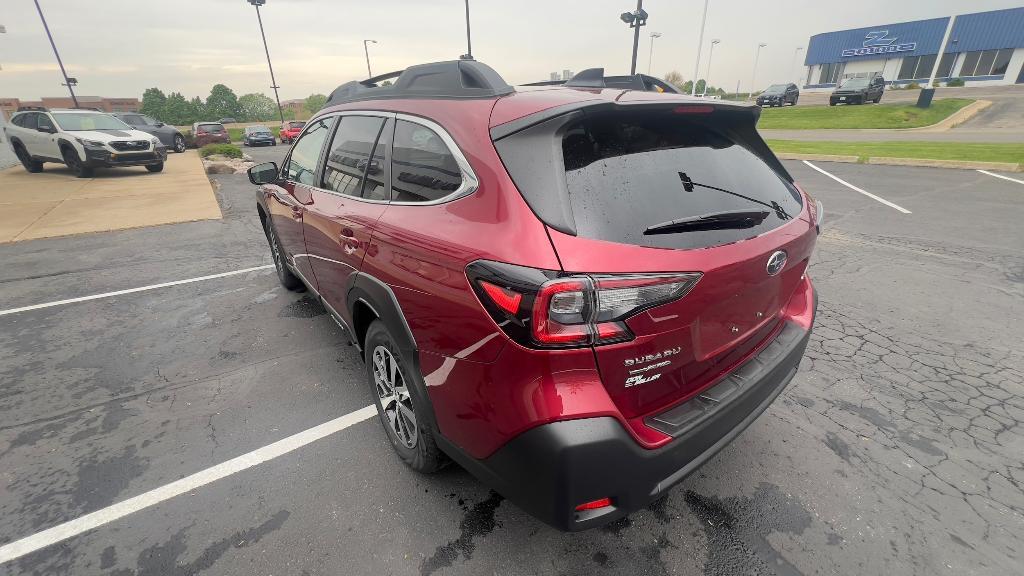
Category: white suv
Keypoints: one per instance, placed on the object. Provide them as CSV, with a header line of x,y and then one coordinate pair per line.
x,y
82,139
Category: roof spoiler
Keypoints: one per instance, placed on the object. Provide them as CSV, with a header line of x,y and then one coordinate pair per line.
x,y
595,78
449,79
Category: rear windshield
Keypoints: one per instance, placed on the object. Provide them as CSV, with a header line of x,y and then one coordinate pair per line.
x,y
294,125
625,173
214,128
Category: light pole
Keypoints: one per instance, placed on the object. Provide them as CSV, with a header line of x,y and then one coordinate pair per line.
x,y
257,4
650,57
67,81
795,54
367,52
753,75
711,54
635,19
700,44
469,38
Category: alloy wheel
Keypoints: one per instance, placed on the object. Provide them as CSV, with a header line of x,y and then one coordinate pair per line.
x,y
395,401
179,143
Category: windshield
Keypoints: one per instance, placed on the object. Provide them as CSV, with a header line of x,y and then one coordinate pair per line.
x,y
854,83
258,130
81,121
776,89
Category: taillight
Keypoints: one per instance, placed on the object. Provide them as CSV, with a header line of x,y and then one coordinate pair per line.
x,y
544,309
814,208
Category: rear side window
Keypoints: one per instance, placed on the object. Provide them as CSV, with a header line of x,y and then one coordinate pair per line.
x,y
30,121
301,164
423,168
352,156
626,172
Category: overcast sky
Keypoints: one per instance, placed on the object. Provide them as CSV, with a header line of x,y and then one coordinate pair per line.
x,y
121,47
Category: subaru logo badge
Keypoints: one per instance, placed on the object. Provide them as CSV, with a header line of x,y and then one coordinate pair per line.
x,y
776,262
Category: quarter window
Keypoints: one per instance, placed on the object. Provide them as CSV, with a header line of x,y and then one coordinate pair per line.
x,y
301,166
43,121
354,153
30,121
423,168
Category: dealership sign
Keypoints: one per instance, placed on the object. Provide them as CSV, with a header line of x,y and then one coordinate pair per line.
x,y
879,42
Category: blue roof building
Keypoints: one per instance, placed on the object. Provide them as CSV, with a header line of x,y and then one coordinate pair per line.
x,y
985,48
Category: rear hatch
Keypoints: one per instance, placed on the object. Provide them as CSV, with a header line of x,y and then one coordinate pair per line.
x,y
634,191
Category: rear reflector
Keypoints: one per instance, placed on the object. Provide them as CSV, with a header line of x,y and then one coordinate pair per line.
x,y
594,504
503,298
693,109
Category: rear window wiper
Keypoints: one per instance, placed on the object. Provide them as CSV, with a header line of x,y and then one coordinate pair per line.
x,y
730,220
778,209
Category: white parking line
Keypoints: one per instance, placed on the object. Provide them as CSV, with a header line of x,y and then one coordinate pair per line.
x,y
62,532
1001,176
855,189
131,290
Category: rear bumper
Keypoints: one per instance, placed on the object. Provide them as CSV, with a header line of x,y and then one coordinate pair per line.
x,y
551,469
104,159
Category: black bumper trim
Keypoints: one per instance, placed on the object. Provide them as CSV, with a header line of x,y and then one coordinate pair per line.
x,y
550,469
102,158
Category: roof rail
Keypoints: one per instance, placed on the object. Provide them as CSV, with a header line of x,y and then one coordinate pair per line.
x,y
595,78
449,79
32,109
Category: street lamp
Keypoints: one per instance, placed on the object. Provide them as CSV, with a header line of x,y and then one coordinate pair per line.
x,y
753,75
650,57
711,54
700,44
469,38
367,52
635,19
795,54
273,82
67,81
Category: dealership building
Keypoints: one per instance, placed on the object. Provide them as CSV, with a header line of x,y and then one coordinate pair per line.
x,y
984,49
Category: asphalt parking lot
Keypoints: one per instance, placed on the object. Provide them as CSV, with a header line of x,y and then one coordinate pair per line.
x,y
896,449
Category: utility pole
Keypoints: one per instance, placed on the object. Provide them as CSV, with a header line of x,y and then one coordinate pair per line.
x,y
635,19
650,57
257,4
711,54
67,81
795,54
753,75
367,52
924,99
700,44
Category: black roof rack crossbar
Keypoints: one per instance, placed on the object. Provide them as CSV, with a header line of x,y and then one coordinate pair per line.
x,y
449,79
32,109
595,78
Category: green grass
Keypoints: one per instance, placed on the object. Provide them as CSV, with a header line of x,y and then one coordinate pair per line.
x,y
972,151
229,150
859,116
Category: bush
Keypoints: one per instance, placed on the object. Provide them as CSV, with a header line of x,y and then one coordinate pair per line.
x,y
913,86
190,140
955,82
229,150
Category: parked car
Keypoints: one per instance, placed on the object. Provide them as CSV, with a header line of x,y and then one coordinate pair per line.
x,y
169,136
858,91
227,121
81,139
779,95
204,133
289,130
580,296
258,136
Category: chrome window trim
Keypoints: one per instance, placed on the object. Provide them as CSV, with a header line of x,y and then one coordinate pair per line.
x,y
327,151
470,182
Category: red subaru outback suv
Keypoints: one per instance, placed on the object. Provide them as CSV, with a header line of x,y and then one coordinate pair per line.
x,y
578,293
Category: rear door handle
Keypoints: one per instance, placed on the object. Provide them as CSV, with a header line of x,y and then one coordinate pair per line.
x,y
348,240
297,212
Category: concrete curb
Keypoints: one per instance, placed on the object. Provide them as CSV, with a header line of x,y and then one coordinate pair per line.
x,y
959,164
955,119
817,157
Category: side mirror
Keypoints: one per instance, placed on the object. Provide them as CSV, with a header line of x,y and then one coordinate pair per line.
x,y
264,173
160,124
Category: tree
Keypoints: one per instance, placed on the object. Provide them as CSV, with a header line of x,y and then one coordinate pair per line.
x,y
222,103
314,102
687,87
197,110
257,107
177,111
153,101
701,86
676,79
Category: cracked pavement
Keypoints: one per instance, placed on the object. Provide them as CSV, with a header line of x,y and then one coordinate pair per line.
x,y
896,449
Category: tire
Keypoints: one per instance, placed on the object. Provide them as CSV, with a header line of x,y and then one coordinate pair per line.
x,y
831,103
71,158
287,278
179,143
155,167
877,100
400,402
30,165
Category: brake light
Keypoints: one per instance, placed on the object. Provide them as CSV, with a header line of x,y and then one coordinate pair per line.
x,y
693,109
594,504
541,309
